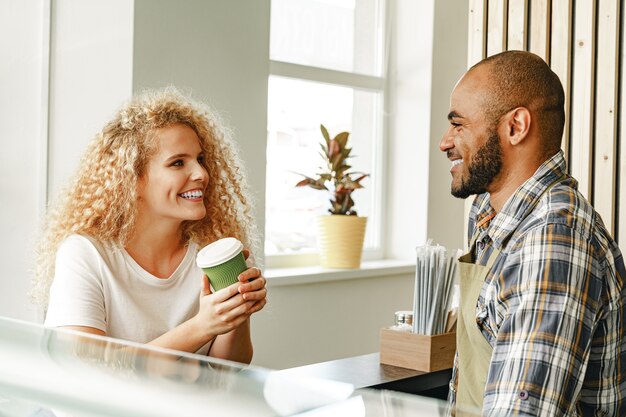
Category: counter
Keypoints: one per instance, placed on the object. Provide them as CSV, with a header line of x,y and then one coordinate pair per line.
x,y
46,372
366,371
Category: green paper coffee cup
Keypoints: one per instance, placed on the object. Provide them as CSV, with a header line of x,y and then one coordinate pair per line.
x,y
222,261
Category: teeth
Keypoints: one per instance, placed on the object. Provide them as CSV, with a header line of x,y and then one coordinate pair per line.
x,y
457,162
192,194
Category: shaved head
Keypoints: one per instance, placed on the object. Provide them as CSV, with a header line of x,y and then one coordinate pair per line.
x,y
523,79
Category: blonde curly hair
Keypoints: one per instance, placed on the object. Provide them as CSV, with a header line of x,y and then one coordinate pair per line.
x,y
101,199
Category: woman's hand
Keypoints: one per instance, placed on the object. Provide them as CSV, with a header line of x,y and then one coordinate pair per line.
x,y
252,287
222,311
228,308
223,318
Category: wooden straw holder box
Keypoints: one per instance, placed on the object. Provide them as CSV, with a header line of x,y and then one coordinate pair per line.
x,y
417,351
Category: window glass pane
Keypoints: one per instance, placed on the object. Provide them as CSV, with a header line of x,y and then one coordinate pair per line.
x,y
296,108
344,35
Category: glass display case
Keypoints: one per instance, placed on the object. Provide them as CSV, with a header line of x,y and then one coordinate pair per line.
x,y
46,372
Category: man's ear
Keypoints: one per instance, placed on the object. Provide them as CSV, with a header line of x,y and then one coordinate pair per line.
x,y
517,124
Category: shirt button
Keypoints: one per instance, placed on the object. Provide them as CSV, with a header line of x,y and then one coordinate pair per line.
x,y
523,395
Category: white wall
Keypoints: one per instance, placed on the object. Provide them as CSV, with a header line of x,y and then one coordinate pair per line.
x,y
449,61
428,55
22,113
91,59
310,323
218,50
409,85
50,110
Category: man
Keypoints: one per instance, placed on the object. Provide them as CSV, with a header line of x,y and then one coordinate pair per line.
x,y
542,314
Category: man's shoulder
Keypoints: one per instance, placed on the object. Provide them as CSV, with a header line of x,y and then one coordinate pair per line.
x,y
563,204
564,209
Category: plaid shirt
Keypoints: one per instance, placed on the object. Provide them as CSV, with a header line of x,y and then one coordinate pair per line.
x,y
553,305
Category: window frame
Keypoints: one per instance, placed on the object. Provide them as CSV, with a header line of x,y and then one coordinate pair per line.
x,y
362,82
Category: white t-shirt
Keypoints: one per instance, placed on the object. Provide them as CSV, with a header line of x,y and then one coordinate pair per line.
x,y
101,286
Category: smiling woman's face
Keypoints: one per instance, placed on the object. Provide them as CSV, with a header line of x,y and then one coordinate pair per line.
x,y
174,182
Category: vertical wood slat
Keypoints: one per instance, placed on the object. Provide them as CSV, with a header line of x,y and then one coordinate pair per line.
x,y
517,24
477,27
561,58
539,39
476,50
496,26
583,97
621,184
605,180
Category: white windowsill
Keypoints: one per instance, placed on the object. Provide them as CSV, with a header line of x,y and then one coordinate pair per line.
x,y
277,277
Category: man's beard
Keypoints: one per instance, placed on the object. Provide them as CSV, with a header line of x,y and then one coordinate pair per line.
x,y
482,169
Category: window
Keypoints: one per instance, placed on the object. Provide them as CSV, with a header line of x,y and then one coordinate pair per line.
x,y
326,67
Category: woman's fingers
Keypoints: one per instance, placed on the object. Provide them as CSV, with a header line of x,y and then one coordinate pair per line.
x,y
257,306
233,315
249,274
226,293
255,295
253,285
206,286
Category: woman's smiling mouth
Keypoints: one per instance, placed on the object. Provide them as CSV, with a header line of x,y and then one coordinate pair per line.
x,y
192,195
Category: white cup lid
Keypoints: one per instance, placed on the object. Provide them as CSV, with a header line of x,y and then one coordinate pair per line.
x,y
218,252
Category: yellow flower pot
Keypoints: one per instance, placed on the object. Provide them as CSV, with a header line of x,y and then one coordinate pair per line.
x,y
340,240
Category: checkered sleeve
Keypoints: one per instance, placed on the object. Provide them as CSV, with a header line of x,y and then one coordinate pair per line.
x,y
552,281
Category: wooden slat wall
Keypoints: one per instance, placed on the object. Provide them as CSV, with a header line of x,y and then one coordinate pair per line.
x,y
583,42
540,25
621,176
605,126
561,56
517,25
582,96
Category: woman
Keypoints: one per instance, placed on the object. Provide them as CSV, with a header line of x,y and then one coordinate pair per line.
x,y
117,257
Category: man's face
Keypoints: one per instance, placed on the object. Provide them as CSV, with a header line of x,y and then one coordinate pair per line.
x,y
471,142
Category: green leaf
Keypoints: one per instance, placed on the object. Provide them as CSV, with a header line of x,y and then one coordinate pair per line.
x,y
333,149
342,138
324,152
316,184
326,136
337,162
306,181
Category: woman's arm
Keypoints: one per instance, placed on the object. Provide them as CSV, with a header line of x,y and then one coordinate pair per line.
x,y
219,313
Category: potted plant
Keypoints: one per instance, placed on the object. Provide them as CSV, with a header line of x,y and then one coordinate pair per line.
x,y
341,234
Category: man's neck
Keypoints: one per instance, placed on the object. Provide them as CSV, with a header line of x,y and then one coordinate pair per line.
x,y
508,182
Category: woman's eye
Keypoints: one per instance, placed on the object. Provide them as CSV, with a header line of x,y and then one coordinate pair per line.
x,y
201,159
177,163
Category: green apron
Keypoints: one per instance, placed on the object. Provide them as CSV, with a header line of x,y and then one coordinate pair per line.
x,y
474,351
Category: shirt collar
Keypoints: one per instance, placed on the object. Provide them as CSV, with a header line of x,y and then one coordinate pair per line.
x,y
521,203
